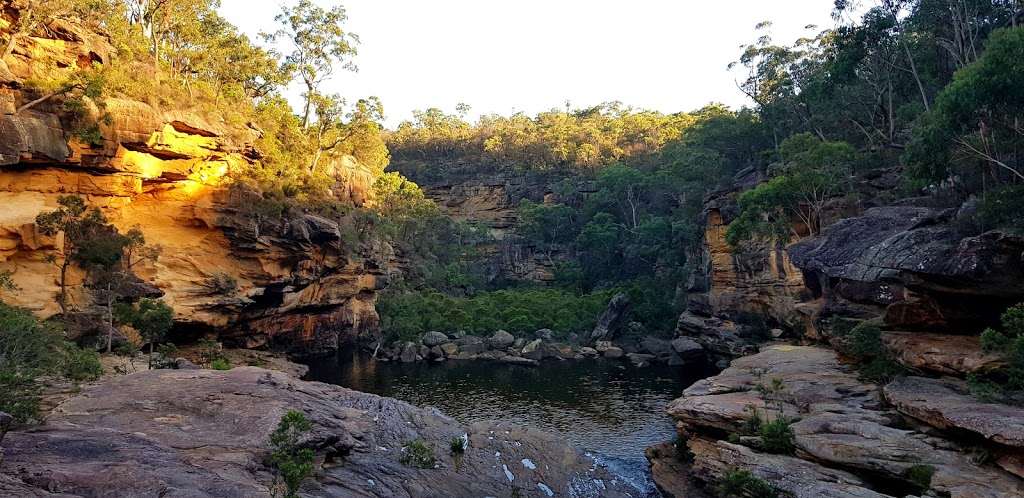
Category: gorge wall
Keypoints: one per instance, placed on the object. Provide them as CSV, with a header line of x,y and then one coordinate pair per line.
x,y
166,170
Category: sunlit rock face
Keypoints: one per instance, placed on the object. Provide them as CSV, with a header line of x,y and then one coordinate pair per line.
x,y
167,172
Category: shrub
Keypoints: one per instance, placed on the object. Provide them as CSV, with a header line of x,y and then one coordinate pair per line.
x,y
417,454
167,358
27,350
220,364
740,483
1005,383
877,362
80,364
777,436
682,449
292,463
457,447
222,283
921,476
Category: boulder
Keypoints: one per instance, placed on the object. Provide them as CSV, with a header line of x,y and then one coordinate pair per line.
x,y
533,350
5,424
546,334
657,347
610,319
557,351
423,352
519,360
409,352
602,346
501,340
614,352
473,348
585,351
687,349
436,353
520,342
714,335
640,360
431,339
450,349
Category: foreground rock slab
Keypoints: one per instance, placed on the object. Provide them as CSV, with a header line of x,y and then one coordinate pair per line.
x,y
203,433
847,442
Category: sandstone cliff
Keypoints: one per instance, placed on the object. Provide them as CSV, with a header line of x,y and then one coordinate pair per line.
x,y
166,170
490,200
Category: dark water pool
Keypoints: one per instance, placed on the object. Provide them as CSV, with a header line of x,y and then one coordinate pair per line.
x,y
608,408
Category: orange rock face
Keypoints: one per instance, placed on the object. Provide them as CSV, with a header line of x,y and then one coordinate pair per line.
x,y
167,173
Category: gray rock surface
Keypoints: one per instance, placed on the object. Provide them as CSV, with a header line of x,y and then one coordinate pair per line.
x,y
433,338
842,425
611,318
204,433
533,350
501,340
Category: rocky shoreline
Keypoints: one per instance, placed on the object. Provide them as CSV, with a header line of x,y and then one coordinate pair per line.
x,y
530,349
204,433
852,439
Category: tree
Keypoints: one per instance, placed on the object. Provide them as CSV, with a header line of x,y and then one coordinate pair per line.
x,y
152,318
76,222
293,463
545,226
319,42
977,117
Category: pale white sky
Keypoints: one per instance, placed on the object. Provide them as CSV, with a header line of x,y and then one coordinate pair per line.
x,y
533,55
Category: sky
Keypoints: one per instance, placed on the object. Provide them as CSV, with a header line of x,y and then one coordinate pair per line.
x,y
534,55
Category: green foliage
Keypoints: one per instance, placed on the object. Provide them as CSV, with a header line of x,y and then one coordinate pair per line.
x,y
457,448
580,139
80,364
974,127
921,476
526,310
417,454
742,483
1007,382
777,436
220,364
877,362
292,462
30,349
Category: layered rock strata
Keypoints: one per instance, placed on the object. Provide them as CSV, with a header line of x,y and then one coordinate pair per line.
x,y
258,280
847,441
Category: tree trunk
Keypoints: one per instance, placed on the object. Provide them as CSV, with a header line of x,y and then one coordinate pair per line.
x,y
11,42
63,301
309,104
150,366
917,78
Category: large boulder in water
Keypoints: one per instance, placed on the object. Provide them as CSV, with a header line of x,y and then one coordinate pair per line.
x,y
610,319
501,340
431,339
533,350
409,352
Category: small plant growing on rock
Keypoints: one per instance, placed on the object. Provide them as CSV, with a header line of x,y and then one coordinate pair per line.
x,y
775,433
457,446
921,476
222,283
220,364
210,351
292,463
417,454
741,483
877,362
166,358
